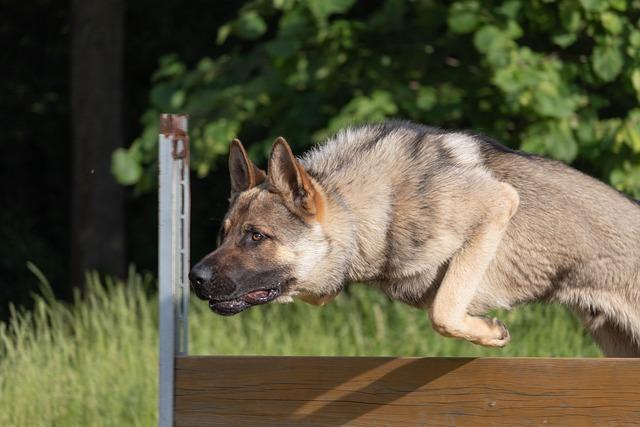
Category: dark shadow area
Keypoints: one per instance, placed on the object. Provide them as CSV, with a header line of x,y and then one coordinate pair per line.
x,y
385,390
35,111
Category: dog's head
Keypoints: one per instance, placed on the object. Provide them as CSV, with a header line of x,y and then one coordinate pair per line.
x,y
272,238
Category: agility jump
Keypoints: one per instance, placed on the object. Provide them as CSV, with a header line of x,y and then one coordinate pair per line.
x,y
367,391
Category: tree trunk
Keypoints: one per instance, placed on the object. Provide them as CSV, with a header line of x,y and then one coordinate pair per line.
x,y
97,202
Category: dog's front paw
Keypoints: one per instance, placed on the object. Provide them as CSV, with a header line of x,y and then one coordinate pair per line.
x,y
497,333
479,330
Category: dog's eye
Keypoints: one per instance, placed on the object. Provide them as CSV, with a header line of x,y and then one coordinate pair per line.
x,y
256,237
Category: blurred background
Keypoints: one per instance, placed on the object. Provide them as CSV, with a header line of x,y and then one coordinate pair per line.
x,y
83,83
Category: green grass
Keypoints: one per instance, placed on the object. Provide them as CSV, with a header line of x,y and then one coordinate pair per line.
x,y
94,362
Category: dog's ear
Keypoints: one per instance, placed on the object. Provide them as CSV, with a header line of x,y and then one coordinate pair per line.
x,y
244,174
288,178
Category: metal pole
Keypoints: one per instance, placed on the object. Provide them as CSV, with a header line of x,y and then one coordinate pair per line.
x,y
173,254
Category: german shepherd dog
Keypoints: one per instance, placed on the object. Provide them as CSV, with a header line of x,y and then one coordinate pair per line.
x,y
450,222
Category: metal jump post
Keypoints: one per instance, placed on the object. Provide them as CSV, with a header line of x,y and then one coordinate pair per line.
x,y
173,255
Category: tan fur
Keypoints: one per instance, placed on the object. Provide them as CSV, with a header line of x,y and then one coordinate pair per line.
x,y
449,311
318,300
453,223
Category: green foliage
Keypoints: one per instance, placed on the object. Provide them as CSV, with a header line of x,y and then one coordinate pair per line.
x,y
125,166
558,78
94,363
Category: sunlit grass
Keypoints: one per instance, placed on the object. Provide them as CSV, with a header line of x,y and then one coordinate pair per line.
x,y
94,362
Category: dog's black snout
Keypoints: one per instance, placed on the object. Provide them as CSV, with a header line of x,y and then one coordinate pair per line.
x,y
196,278
200,276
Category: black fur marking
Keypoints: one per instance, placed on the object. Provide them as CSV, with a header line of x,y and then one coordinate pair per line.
x,y
489,146
562,277
388,251
445,154
414,127
317,175
383,129
380,131
417,144
220,236
418,241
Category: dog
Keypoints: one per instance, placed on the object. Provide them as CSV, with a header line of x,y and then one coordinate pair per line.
x,y
450,222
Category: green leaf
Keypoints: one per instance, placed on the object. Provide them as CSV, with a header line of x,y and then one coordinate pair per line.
x,y
554,139
162,97
634,38
177,99
513,30
561,144
510,8
322,9
586,132
594,5
635,81
620,5
486,37
512,79
374,108
612,22
170,68
607,62
249,25
550,100
223,33
218,134
464,17
626,178
282,48
284,4
564,40
427,98
212,143
618,178
125,166
570,16
629,132
533,143
495,43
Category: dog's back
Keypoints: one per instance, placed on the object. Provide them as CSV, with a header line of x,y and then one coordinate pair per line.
x,y
414,194
573,240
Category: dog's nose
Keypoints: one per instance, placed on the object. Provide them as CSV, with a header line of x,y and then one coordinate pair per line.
x,y
200,275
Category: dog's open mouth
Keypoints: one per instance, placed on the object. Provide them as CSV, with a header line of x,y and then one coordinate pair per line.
x,y
236,305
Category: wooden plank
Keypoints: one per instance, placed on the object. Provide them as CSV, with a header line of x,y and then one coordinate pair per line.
x,y
381,391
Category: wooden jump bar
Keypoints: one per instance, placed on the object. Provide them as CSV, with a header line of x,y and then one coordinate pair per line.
x,y
385,391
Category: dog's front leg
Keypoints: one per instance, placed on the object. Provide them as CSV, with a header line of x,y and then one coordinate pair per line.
x,y
449,309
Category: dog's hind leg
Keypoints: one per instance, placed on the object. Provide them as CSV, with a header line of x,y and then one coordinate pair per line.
x,y
448,312
612,339
614,342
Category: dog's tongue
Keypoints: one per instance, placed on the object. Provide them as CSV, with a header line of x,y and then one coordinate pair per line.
x,y
256,297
